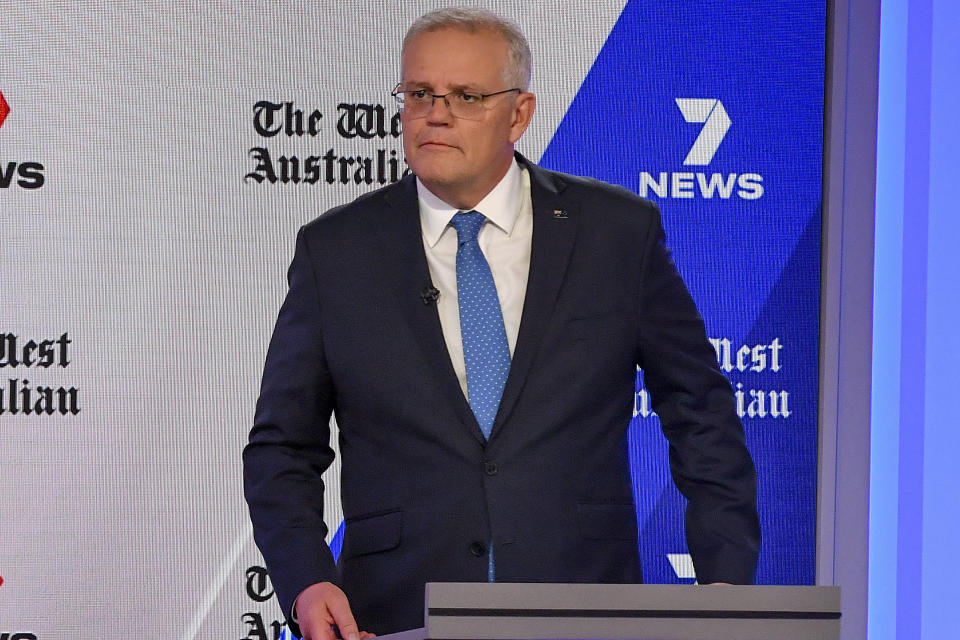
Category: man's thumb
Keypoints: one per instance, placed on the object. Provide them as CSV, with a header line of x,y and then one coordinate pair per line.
x,y
343,618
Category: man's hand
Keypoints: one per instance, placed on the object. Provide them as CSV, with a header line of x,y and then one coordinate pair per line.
x,y
322,606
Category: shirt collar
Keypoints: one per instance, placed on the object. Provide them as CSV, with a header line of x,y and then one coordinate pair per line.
x,y
501,206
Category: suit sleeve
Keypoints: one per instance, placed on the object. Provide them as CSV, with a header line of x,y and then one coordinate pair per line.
x,y
289,444
709,460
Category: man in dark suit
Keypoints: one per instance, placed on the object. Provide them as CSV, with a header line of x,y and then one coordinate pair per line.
x,y
476,330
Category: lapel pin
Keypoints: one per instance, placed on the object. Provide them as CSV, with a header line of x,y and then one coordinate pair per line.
x,y
559,213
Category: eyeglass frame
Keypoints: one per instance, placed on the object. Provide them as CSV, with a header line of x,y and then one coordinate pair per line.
x,y
433,96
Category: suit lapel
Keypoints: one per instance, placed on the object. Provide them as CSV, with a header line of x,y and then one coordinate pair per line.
x,y
407,274
554,232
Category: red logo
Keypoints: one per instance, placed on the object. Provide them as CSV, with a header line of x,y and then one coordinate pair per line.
x,y
4,109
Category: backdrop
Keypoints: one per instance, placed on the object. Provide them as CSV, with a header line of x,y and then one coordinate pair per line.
x,y
156,161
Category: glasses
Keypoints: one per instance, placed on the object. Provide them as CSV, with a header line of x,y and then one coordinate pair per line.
x,y
416,103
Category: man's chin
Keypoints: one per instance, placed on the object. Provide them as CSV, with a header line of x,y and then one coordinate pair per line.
x,y
440,173
436,181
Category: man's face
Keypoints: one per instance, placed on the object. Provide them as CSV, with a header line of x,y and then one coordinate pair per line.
x,y
461,160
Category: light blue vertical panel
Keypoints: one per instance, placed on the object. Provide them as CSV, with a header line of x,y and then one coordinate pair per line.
x,y
888,274
913,320
941,513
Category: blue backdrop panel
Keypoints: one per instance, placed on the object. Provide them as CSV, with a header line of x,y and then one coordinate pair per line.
x,y
714,110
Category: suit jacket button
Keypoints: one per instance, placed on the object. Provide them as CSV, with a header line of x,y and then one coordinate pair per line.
x,y
491,468
478,548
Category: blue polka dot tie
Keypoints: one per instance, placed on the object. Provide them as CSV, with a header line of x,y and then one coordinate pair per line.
x,y
485,347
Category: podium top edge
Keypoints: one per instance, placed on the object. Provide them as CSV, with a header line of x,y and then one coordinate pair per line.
x,y
598,598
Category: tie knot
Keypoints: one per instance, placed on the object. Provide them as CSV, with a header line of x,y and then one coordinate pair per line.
x,y
467,224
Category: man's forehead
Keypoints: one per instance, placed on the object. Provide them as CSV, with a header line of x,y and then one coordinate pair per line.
x,y
457,33
456,42
464,56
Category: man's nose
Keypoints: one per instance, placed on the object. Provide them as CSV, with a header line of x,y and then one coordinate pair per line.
x,y
439,110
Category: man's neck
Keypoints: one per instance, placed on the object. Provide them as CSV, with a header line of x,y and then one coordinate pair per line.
x,y
466,196
501,206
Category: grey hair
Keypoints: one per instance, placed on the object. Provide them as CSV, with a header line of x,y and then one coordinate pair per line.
x,y
517,71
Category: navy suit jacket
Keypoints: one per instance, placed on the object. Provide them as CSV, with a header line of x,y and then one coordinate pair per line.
x,y
423,493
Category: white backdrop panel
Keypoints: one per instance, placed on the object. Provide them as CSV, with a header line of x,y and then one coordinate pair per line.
x,y
165,270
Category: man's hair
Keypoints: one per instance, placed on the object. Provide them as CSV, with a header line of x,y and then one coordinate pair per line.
x,y
517,71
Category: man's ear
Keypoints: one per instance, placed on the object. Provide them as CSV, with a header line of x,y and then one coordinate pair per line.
x,y
523,108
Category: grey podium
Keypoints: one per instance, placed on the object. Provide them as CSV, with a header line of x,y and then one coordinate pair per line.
x,y
502,611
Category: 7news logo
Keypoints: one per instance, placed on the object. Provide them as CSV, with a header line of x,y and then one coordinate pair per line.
x,y
691,184
30,173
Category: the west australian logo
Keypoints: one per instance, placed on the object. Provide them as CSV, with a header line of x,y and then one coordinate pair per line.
x,y
369,129
704,183
29,175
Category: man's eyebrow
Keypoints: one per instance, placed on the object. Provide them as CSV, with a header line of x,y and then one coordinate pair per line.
x,y
465,88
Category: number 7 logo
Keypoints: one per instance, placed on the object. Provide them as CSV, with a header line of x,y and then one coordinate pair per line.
x,y
717,122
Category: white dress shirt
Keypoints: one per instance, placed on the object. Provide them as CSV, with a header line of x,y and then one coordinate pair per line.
x,y
505,241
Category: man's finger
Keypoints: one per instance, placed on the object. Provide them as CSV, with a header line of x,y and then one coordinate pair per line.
x,y
339,610
322,631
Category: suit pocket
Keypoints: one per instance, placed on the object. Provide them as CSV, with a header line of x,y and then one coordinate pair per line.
x,y
372,533
602,521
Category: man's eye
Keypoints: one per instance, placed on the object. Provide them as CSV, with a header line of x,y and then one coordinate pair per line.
x,y
468,98
419,94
